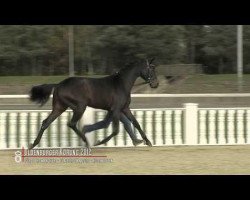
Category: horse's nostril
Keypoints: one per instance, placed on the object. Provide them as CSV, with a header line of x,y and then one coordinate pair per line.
x,y
154,85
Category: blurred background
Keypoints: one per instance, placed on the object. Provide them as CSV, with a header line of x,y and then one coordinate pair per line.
x,y
188,55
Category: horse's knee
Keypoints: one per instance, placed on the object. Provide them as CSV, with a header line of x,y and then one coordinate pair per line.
x,y
44,124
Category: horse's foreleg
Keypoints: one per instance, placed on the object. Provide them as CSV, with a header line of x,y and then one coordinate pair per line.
x,y
131,117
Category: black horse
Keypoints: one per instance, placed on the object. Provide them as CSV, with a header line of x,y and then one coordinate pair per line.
x,y
111,93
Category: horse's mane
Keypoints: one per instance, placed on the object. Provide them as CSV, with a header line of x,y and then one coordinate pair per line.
x,y
128,67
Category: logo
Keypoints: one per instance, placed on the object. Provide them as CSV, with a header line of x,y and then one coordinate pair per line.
x,y
65,155
18,156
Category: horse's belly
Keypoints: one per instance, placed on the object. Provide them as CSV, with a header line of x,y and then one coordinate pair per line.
x,y
100,104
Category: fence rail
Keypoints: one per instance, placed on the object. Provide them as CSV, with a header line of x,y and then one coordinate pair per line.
x,y
24,96
189,125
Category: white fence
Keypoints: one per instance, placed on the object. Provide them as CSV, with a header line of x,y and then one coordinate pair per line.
x,y
189,125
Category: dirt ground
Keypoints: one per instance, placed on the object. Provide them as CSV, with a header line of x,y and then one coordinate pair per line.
x,y
171,160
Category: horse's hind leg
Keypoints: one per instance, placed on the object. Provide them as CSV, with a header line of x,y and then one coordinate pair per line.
x,y
56,112
77,115
115,130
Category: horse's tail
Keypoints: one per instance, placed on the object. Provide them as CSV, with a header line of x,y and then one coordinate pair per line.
x,y
41,93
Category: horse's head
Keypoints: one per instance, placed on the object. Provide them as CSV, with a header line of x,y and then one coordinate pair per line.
x,y
149,75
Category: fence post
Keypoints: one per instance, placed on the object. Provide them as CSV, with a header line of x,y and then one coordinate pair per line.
x,y
89,118
191,123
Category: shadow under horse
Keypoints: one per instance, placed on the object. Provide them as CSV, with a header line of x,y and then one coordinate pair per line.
x,y
111,93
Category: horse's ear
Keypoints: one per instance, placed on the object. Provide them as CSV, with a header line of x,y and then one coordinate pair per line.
x,y
151,60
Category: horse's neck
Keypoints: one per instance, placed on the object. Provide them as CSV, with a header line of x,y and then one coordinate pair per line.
x,y
129,79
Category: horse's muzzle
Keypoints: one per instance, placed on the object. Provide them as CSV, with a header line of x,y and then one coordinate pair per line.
x,y
154,84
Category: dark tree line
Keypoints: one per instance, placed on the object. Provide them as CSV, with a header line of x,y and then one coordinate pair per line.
x,y
43,49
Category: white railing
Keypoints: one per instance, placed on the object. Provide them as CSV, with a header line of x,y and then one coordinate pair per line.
x,y
189,125
162,127
18,128
224,126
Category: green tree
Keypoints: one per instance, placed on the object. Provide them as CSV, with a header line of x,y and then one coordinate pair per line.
x,y
220,48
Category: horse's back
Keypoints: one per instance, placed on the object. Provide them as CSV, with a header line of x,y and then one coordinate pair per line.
x,y
94,92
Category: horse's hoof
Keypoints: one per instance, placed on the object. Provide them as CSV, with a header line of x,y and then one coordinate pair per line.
x,y
84,139
148,143
137,142
97,143
30,146
87,145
